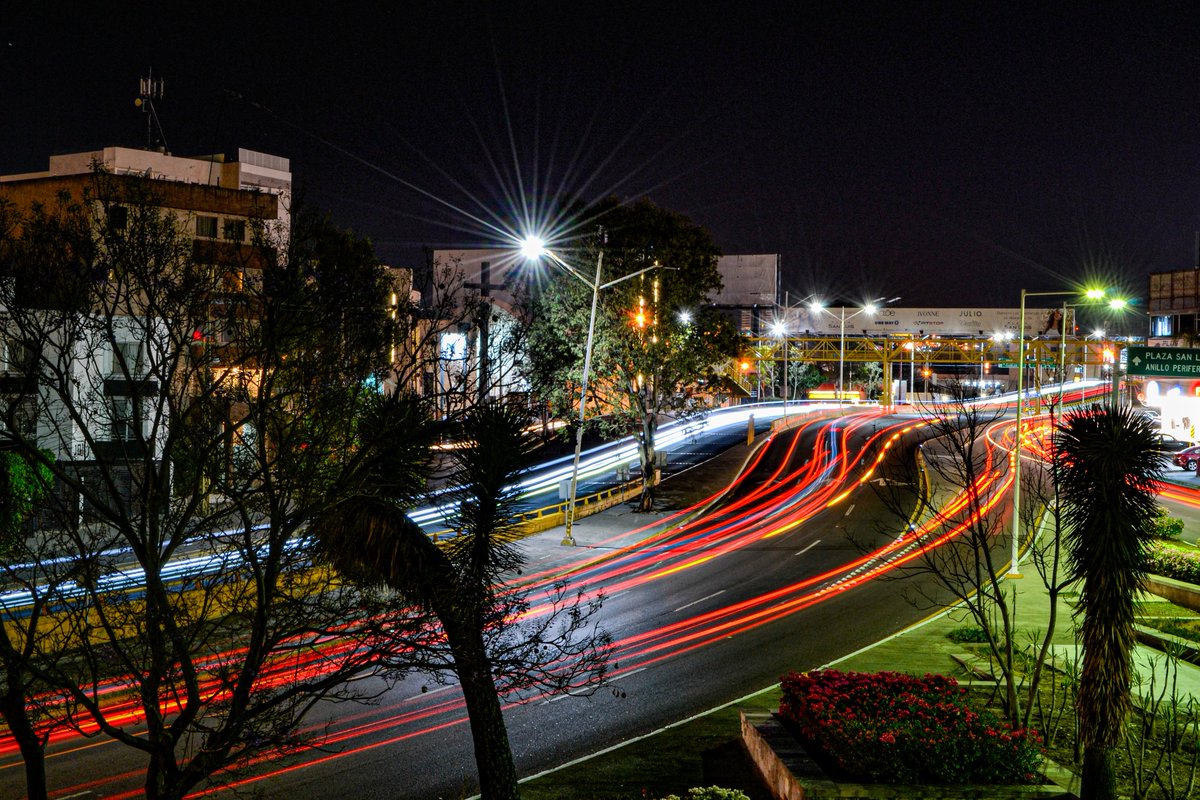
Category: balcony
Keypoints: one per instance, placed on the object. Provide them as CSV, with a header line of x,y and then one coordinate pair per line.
x,y
130,387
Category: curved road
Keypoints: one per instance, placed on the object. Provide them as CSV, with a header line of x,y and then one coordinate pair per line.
x,y
771,578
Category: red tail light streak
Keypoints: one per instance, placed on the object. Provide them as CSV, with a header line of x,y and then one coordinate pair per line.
x,y
784,499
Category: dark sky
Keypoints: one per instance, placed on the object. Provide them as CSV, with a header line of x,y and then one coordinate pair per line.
x,y
947,153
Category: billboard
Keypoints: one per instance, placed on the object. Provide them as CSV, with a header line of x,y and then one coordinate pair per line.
x,y
748,280
926,321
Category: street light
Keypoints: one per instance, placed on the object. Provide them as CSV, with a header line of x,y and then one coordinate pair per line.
x,y
869,308
780,330
1014,570
1116,304
533,248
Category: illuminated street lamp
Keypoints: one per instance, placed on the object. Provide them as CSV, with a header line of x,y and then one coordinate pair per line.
x,y
533,248
869,309
1116,304
1014,570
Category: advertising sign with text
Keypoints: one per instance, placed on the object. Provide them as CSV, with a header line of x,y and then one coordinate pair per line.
x,y
926,321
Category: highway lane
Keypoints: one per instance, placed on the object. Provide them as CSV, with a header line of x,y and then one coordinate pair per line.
x,y
668,668
701,614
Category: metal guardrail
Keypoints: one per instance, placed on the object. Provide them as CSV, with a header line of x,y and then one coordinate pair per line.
x,y
551,516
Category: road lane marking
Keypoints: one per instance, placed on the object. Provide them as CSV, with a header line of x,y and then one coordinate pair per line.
x,y
581,693
701,600
438,690
848,510
810,547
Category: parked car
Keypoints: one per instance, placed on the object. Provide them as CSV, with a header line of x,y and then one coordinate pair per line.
x,y
1170,444
1187,458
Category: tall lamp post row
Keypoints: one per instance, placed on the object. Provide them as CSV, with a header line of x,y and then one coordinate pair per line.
x,y
818,307
869,309
533,248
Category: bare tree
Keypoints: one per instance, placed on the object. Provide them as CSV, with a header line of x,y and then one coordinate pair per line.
x,y
955,481
196,405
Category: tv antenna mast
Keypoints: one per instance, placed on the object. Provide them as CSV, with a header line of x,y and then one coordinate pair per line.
x,y
151,89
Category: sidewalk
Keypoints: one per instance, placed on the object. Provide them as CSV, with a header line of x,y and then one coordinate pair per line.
x,y
621,525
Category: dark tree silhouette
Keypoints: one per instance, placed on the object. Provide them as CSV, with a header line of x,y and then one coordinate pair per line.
x,y
368,536
1108,460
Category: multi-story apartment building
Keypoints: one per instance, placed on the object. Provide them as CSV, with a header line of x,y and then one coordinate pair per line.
x,y
1174,308
95,409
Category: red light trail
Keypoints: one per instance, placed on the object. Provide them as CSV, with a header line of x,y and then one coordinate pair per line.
x,y
781,502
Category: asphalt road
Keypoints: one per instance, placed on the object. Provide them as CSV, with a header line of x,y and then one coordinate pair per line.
x,y
694,665
701,615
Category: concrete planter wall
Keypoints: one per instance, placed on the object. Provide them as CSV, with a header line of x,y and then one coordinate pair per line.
x,y
791,774
1178,592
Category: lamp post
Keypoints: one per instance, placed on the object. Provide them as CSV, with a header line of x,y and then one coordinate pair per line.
x,y
869,308
780,330
1014,570
912,372
533,249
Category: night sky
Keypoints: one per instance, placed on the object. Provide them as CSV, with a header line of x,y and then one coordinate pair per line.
x,y
951,154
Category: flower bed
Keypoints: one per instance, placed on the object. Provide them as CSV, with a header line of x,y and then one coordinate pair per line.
x,y
888,727
1171,562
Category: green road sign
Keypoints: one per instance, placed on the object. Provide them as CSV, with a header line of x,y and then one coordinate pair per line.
x,y
1169,362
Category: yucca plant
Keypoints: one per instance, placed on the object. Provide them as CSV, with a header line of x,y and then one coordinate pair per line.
x,y
1107,460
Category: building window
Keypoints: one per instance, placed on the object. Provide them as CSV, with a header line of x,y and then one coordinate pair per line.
x,y
124,419
1160,326
206,227
16,358
118,218
233,281
128,354
234,230
26,417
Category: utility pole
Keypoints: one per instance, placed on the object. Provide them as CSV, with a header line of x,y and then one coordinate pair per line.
x,y
483,318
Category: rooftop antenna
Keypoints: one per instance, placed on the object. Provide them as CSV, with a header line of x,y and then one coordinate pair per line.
x,y
151,89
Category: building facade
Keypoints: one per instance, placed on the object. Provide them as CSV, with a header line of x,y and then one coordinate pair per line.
x,y
88,380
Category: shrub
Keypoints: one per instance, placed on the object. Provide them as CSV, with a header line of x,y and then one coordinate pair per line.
x,y
710,793
1181,630
1165,526
892,728
1173,563
968,634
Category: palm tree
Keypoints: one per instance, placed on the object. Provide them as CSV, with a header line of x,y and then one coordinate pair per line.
x,y
367,535
1107,461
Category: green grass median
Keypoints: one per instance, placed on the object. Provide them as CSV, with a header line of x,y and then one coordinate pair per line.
x,y
703,751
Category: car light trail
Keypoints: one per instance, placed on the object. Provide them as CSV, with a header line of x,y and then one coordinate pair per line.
x,y
778,504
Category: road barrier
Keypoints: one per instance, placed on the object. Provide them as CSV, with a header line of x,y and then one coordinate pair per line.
x,y
543,519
